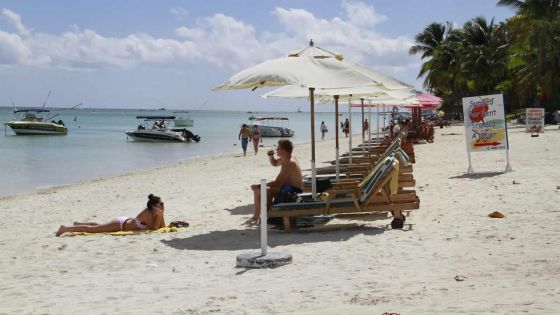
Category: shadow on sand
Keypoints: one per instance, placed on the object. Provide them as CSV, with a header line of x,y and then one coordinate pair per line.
x,y
241,210
478,175
250,239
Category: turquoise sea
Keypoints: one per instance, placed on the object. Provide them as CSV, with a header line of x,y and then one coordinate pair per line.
x,y
96,145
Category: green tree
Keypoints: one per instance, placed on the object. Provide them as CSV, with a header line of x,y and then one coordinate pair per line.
x,y
535,53
485,55
440,49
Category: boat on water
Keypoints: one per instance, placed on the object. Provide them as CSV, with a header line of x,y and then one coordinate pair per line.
x,y
183,119
272,126
154,129
31,121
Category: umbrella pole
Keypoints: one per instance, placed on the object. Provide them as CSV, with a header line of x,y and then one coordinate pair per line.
x,y
350,129
377,122
369,129
337,156
313,170
384,120
363,131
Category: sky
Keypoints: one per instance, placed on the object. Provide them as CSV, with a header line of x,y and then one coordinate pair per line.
x,y
153,54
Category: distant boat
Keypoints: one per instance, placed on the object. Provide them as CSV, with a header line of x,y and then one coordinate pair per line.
x,y
184,120
299,110
163,108
154,129
272,126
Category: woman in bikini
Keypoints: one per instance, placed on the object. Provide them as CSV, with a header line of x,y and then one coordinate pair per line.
x,y
256,138
150,218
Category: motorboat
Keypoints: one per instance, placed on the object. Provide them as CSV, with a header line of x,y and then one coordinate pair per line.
x,y
183,119
30,121
154,129
272,126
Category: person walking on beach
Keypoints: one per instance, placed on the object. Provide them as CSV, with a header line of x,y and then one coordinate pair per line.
x,y
346,127
324,130
244,135
290,178
365,127
151,218
256,138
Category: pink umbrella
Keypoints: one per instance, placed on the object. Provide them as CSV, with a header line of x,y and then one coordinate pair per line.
x,y
428,100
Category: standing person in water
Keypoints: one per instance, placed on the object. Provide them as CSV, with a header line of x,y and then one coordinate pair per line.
x,y
365,127
324,130
244,135
346,127
151,218
256,138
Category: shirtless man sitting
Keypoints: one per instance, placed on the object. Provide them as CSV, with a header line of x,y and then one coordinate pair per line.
x,y
290,173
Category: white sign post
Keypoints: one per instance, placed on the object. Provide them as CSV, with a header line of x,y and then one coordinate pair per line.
x,y
534,121
485,126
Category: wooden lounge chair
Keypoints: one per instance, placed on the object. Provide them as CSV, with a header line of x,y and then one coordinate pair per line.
x,y
361,166
375,193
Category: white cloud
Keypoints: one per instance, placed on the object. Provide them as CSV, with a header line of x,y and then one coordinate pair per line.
x,y
15,19
362,14
220,40
179,11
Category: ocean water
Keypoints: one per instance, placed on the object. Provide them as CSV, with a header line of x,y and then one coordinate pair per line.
x,y
97,147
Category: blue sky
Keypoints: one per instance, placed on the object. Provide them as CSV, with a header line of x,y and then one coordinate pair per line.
x,y
151,54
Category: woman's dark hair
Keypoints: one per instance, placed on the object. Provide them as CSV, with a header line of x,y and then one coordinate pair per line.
x,y
152,200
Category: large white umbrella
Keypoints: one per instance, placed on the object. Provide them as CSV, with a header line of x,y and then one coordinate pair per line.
x,y
312,68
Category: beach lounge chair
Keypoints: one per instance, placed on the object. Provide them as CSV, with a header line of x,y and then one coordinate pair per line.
x,y
361,166
378,192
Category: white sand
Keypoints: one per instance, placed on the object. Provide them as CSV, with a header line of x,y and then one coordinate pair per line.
x,y
509,265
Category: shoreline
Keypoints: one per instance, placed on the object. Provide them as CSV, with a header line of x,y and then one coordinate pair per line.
x,y
43,190
450,258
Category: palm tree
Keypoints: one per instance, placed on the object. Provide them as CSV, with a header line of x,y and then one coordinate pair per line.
x,y
439,44
535,53
430,44
485,55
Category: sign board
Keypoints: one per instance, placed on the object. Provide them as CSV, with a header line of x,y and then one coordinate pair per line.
x,y
534,120
485,123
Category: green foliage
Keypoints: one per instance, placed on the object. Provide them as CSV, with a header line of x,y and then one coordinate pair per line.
x,y
519,58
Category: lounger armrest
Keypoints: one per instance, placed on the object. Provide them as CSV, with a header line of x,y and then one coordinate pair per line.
x,y
345,181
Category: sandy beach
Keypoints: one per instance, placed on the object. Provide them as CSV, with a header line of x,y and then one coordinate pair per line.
x,y
450,258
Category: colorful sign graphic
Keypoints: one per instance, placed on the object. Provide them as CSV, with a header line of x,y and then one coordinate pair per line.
x,y
485,126
534,120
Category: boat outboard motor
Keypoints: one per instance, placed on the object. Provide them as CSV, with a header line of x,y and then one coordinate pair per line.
x,y
190,136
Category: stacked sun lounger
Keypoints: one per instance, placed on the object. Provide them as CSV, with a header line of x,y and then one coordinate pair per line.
x,y
380,182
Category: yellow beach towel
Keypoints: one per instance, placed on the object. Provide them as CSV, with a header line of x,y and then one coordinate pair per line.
x,y
166,229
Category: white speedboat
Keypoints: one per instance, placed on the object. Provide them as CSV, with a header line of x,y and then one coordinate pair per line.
x,y
183,119
32,123
153,128
272,126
